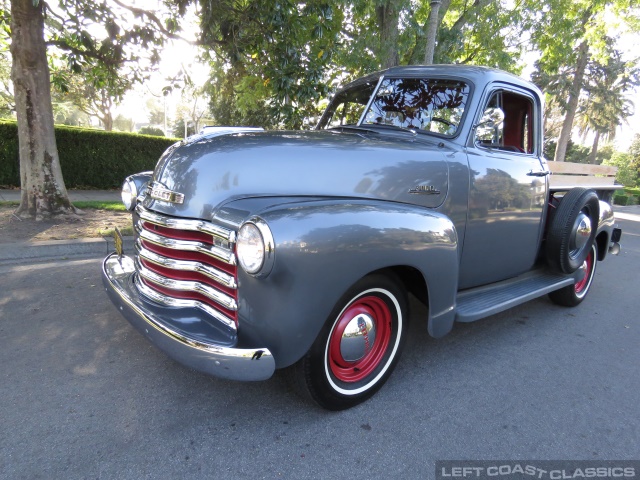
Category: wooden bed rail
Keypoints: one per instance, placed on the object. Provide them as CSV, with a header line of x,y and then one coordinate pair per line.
x,y
565,175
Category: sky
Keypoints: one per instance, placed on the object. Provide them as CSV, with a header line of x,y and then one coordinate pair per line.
x,y
176,55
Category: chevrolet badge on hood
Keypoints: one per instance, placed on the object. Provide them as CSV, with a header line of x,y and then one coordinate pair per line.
x,y
160,192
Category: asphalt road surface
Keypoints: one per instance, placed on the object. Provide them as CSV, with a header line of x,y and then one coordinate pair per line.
x,y
82,395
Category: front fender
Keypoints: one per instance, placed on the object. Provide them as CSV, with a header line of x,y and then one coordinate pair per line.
x,y
322,247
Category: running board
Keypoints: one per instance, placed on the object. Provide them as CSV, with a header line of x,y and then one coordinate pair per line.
x,y
481,302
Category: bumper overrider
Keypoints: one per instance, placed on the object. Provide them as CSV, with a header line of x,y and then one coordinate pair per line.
x,y
190,338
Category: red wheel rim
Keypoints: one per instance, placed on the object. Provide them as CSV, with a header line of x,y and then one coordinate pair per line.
x,y
582,284
355,371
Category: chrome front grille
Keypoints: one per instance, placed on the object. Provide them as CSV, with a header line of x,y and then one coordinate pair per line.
x,y
187,263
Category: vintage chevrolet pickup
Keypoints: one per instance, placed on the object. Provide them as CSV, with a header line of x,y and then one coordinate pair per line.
x,y
258,251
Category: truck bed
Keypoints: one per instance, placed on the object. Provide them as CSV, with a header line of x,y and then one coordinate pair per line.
x,y
567,175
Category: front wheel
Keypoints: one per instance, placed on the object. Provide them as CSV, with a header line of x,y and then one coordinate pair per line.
x,y
358,347
572,295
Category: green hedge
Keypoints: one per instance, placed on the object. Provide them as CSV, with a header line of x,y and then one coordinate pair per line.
x,y
620,199
89,158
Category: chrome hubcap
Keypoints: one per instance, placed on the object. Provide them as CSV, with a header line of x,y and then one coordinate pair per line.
x,y
581,232
581,273
358,338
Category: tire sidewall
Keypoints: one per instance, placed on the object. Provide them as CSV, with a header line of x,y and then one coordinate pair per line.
x,y
324,387
567,296
558,248
591,274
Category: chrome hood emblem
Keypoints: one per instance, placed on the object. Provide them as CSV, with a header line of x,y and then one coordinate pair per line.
x,y
160,192
425,190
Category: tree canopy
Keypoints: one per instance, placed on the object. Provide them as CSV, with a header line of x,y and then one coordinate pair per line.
x,y
273,62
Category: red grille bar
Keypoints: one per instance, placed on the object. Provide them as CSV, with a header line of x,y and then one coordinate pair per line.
x,y
170,262
188,275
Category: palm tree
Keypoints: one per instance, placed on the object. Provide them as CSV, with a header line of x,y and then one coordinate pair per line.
x,y
606,104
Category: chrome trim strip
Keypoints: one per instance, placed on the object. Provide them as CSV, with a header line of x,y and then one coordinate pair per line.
x,y
187,286
185,224
187,265
183,303
198,353
269,247
218,253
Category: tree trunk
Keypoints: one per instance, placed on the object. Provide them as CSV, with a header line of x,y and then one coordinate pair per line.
x,y
108,122
388,18
43,189
594,150
572,104
106,103
432,31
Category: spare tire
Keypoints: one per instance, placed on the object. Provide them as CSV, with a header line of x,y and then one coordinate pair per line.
x,y
572,230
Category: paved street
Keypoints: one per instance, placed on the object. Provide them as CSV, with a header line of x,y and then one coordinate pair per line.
x,y
82,395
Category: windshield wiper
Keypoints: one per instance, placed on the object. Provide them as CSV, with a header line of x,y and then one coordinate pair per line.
x,y
395,127
355,127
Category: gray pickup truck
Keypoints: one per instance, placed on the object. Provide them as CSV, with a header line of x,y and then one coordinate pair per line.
x,y
258,251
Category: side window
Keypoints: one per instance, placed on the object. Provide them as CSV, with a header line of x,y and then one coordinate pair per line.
x,y
347,114
507,123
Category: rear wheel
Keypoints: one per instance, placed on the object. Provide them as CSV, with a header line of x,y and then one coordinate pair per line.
x,y
358,347
572,295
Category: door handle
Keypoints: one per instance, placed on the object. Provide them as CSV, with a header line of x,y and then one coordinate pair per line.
x,y
543,173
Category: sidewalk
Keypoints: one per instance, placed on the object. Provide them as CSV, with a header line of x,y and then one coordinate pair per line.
x,y
31,252
75,195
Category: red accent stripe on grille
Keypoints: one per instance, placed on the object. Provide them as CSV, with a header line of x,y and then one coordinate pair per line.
x,y
178,234
191,296
193,256
188,275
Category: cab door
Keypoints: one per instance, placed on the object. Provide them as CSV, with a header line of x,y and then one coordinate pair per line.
x,y
508,188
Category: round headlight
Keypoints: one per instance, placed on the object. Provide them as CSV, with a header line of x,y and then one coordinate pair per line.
x,y
255,247
129,194
250,248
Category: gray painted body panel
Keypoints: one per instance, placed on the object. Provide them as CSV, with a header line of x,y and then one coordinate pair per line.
x,y
210,172
325,246
504,225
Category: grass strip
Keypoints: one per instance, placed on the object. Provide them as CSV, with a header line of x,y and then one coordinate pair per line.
x,y
84,204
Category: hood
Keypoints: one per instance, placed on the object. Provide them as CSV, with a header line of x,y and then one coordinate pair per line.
x,y
211,172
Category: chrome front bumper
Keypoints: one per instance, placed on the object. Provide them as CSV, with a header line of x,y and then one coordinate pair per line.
x,y
187,336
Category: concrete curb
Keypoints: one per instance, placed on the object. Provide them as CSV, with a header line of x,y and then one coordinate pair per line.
x,y
75,195
32,252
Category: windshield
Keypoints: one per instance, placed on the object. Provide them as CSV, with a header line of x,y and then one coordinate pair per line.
x,y
426,105
347,106
431,105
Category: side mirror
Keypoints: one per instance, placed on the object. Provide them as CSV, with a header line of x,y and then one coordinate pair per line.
x,y
491,121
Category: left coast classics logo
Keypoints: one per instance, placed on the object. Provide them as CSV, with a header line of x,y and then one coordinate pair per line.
x,y
160,192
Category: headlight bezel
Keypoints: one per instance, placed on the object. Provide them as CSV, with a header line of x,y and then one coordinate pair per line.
x,y
137,186
260,228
